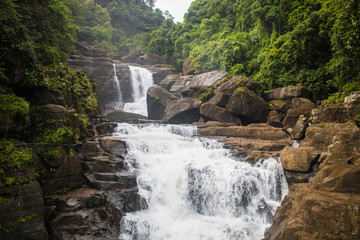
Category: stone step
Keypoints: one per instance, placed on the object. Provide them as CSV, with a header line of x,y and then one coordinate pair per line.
x,y
124,182
92,167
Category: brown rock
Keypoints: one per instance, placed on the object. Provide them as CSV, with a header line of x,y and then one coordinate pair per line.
x,y
122,116
288,93
298,131
186,110
293,115
334,113
299,159
213,124
339,177
201,83
306,213
215,113
157,100
274,119
252,131
220,99
247,106
113,145
280,106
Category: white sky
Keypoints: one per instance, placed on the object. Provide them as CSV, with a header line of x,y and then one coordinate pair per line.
x,y
177,8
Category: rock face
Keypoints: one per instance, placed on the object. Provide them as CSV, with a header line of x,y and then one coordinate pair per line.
x,y
286,93
247,106
157,99
141,58
24,214
186,110
188,67
200,83
327,207
215,113
299,159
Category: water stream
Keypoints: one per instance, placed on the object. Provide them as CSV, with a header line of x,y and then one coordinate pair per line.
x,y
119,103
141,81
194,189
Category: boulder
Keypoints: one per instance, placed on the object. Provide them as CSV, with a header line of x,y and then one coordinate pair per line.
x,y
280,106
286,93
212,112
299,159
230,86
122,116
22,216
188,67
307,213
248,106
183,111
339,177
157,100
175,83
301,103
298,131
274,119
201,83
213,124
67,176
333,113
292,116
220,99
113,145
138,57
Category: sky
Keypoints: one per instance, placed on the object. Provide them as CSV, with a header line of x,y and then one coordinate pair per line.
x,y
177,8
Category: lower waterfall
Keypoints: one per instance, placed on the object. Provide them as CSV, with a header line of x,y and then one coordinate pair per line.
x,y
193,189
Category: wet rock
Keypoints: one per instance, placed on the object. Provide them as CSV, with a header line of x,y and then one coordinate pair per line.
x,y
113,145
215,113
157,100
201,83
213,124
186,110
122,116
286,93
21,217
248,106
299,159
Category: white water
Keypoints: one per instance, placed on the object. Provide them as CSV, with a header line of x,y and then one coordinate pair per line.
x,y
194,189
141,81
119,103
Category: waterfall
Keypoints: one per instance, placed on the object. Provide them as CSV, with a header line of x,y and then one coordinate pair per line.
x,y
193,188
141,81
119,103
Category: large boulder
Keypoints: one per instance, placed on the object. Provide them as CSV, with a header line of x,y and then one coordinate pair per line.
x,y
274,119
220,99
292,116
175,83
215,113
286,93
307,213
186,110
201,83
230,86
248,106
299,159
122,116
157,100
22,216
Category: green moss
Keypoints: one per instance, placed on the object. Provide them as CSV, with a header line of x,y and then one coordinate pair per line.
x,y
239,89
13,105
93,202
207,95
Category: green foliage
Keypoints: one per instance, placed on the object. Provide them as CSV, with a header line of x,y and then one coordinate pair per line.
x,y
277,43
13,105
207,95
93,201
12,161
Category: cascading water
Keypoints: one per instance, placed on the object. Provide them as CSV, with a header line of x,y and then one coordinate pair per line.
x,y
119,103
141,81
194,189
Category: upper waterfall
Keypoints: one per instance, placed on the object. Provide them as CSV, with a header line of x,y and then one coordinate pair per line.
x,y
141,81
119,103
